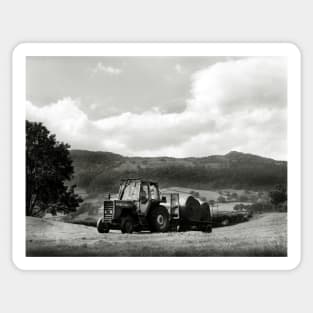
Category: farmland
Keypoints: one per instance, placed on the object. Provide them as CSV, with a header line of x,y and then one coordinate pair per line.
x,y
264,235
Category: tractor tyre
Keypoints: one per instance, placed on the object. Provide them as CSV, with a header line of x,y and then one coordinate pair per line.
x,y
159,220
207,229
127,225
102,227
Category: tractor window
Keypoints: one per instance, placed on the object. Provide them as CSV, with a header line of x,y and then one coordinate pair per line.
x,y
144,193
154,192
131,191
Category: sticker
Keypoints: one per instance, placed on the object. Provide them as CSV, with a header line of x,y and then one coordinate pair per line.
x,y
156,156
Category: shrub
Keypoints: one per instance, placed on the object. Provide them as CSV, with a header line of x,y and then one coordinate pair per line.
x,y
221,199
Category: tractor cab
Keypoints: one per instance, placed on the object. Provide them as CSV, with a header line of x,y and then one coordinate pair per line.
x,y
137,189
143,193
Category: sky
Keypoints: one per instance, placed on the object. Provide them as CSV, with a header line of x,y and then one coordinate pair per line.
x,y
162,106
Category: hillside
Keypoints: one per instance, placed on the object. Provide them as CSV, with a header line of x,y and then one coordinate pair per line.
x,y
102,171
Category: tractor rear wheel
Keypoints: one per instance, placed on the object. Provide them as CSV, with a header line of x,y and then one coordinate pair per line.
x,y
159,220
206,229
102,227
127,224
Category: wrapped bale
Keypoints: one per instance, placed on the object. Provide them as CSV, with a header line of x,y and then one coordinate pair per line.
x,y
191,210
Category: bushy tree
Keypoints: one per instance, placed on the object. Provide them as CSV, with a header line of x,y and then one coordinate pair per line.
x,y
48,166
221,199
234,195
279,194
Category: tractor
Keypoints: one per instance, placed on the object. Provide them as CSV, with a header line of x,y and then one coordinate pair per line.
x,y
141,206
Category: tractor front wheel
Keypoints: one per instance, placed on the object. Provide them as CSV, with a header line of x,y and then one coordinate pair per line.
x,y
159,220
127,225
102,227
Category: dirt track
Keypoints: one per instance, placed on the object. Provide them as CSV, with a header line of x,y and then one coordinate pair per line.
x,y
265,235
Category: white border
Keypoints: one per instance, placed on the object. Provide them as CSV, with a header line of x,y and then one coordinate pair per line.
x,y
156,49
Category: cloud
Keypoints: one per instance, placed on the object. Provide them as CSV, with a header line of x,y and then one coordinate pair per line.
x,y
101,68
233,86
233,105
67,121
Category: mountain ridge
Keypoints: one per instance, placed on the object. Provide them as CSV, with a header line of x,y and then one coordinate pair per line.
x,y
100,170
231,153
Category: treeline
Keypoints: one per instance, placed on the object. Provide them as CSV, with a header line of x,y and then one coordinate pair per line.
x,y
278,198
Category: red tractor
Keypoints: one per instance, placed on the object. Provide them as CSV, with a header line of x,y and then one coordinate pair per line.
x,y
140,206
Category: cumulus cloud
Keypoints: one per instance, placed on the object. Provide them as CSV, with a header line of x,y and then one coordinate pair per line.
x,y
101,68
67,121
246,84
234,105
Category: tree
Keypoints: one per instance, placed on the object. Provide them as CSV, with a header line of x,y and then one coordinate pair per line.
x,y
279,194
48,166
221,199
234,195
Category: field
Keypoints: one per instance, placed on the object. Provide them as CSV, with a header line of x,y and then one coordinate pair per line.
x,y
208,194
264,235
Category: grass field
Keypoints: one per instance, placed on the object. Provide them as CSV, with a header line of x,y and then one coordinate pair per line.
x,y
264,235
208,194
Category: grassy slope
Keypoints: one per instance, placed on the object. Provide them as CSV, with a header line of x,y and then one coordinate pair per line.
x,y
208,194
102,171
262,236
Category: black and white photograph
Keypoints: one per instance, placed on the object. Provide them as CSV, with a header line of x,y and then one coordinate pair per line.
x,y
158,151
156,156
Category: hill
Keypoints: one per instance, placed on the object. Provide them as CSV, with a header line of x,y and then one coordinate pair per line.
x,y
102,171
